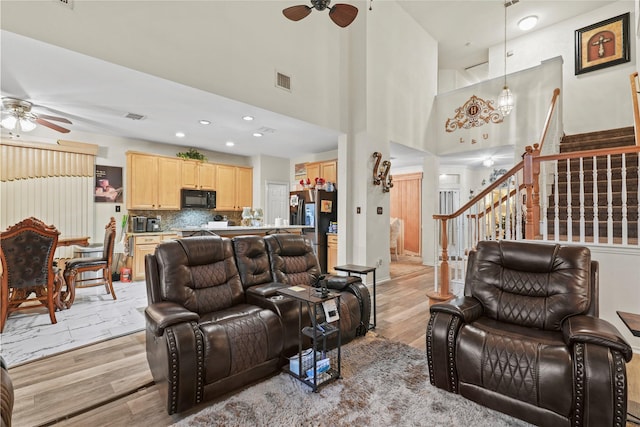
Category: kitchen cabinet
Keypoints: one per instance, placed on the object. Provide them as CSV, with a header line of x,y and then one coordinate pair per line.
x,y
198,175
327,170
142,246
234,187
332,253
153,182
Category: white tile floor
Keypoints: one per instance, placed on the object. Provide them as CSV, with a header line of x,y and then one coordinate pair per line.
x,y
93,317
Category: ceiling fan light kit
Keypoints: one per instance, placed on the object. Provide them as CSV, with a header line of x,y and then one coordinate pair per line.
x,y
341,14
17,117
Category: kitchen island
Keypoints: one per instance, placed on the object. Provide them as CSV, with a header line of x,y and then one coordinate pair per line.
x,y
232,231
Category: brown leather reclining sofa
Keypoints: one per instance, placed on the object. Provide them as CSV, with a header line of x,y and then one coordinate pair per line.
x,y
213,324
526,340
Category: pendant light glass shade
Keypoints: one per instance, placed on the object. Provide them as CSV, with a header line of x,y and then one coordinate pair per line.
x,y
17,121
505,101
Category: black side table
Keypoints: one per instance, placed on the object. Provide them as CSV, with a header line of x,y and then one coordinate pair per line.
x,y
632,321
362,270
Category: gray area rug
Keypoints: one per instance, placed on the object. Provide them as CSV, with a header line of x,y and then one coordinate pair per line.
x,y
384,383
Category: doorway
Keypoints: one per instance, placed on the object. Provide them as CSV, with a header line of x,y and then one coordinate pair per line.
x,y
406,203
277,201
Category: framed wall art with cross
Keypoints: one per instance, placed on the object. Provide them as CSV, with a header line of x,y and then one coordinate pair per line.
x,y
603,44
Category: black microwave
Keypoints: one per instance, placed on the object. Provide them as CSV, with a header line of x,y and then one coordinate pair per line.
x,y
200,199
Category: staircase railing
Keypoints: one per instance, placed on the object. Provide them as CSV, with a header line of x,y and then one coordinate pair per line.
x,y
636,109
535,196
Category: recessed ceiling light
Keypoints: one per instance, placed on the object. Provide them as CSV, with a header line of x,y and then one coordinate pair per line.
x,y
180,134
257,134
528,22
247,118
230,144
204,122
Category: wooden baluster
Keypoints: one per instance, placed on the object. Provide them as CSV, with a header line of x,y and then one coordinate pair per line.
x,y
623,172
609,202
596,225
545,203
556,200
528,182
536,192
569,199
581,196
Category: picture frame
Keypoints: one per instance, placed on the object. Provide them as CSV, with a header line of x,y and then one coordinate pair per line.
x,y
108,184
602,45
326,206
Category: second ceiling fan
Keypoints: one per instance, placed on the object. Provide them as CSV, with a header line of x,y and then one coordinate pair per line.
x,y
342,14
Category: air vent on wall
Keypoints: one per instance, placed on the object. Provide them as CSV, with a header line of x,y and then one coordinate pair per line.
x,y
134,116
67,3
283,81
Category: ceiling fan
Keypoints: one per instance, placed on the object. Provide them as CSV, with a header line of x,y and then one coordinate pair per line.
x,y
17,116
342,14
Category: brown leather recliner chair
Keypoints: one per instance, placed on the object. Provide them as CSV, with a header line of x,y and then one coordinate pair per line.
x,y
293,262
202,338
526,340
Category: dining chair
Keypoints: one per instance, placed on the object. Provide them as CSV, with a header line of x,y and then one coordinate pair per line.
x,y
26,251
102,265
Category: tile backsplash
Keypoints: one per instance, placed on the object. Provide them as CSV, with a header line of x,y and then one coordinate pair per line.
x,y
186,217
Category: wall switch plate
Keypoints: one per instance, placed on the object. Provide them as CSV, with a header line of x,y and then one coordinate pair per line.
x,y
358,210
117,208
379,210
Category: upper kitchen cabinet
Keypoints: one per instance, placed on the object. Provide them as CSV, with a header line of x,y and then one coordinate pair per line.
x,y
153,182
198,175
327,170
234,187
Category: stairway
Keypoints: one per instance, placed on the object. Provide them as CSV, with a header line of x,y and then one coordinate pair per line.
x,y
589,141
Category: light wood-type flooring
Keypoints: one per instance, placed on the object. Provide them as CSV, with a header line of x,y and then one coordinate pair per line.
x,y
109,383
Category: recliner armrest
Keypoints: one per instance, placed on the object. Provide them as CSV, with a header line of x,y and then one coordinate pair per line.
x,y
467,308
593,330
339,283
266,290
164,314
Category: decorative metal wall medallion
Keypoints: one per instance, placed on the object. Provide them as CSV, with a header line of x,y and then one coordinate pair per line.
x,y
474,113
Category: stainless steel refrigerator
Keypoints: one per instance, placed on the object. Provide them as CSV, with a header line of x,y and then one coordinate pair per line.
x,y
316,208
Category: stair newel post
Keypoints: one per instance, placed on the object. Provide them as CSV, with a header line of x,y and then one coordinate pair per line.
x,y
535,199
443,293
529,231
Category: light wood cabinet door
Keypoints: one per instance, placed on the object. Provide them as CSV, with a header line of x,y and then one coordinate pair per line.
x,y
142,246
169,180
142,187
332,253
329,171
313,172
207,176
226,191
244,187
190,175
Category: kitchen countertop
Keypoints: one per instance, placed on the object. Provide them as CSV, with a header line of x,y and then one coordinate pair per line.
x,y
238,228
151,233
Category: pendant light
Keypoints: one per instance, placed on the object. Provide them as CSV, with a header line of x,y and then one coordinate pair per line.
x,y
505,100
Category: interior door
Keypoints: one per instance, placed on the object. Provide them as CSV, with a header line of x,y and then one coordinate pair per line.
x,y
277,202
406,202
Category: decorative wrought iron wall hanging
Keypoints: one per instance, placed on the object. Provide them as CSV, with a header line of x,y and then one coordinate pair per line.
x,y
474,113
381,174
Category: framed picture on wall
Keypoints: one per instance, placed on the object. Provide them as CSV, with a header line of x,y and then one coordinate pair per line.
x,y
603,44
108,184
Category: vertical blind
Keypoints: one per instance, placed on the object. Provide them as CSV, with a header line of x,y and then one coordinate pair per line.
x,y
52,183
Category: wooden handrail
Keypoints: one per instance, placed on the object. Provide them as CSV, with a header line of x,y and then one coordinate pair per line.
x,y
636,110
547,122
630,149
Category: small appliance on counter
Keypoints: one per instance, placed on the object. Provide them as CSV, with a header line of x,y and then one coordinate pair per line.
x,y
153,224
139,224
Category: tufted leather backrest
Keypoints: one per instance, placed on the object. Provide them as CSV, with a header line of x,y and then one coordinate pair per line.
x,y
530,284
293,261
27,254
252,260
199,273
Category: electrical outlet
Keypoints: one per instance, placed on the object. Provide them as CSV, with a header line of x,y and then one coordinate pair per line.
x,y
379,263
358,210
379,210
117,208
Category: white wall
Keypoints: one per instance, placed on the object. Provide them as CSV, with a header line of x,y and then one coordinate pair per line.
x,y
593,101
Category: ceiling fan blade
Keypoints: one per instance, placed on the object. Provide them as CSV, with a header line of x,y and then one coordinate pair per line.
x,y
57,119
343,14
50,125
296,13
